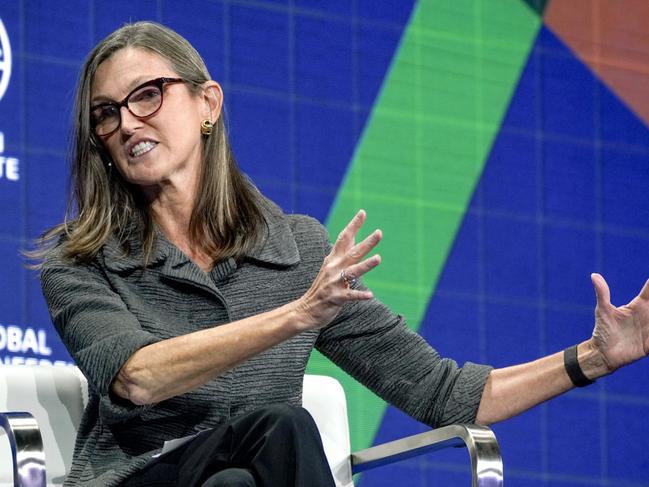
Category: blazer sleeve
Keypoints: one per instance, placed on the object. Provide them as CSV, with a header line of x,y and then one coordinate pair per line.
x,y
375,346
98,330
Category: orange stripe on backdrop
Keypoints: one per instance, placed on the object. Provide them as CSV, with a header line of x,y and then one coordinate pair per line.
x,y
612,37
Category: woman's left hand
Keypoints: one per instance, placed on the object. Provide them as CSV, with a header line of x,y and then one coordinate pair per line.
x,y
621,334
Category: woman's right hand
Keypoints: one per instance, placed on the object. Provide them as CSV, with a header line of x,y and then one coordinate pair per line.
x,y
331,288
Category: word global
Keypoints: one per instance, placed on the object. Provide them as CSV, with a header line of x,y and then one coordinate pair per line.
x,y
16,339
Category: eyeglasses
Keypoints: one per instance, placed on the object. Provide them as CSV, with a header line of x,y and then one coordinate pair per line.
x,y
143,101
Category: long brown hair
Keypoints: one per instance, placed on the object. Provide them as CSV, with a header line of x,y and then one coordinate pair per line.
x,y
226,219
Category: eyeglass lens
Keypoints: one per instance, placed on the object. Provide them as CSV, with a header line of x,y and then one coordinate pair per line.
x,y
140,103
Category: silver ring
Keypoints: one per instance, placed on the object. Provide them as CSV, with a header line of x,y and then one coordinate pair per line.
x,y
348,280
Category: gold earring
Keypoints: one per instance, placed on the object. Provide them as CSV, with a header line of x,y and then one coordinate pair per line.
x,y
206,127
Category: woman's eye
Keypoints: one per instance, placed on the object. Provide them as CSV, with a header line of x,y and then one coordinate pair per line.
x,y
145,95
105,112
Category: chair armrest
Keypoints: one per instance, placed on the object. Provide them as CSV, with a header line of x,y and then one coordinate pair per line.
x,y
26,449
486,462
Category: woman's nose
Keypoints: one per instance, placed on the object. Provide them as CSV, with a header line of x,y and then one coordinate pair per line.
x,y
129,122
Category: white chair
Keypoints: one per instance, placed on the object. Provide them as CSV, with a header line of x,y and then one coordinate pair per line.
x,y
44,406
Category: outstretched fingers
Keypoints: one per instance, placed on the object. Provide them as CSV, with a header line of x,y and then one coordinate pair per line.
x,y
346,258
341,270
357,270
644,292
354,272
361,249
347,237
602,292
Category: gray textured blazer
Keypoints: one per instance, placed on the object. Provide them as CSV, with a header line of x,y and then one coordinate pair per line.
x,y
107,309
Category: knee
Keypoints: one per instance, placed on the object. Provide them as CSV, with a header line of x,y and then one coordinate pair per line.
x,y
231,477
289,418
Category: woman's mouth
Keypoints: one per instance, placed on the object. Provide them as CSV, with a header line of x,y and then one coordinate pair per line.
x,y
142,148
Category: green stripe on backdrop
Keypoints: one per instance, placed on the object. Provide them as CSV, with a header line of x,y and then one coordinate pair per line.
x,y
422,152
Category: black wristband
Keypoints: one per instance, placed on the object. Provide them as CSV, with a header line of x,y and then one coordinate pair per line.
x,y
573,369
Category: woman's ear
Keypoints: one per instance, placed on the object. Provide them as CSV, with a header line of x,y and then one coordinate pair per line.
x,y
213,96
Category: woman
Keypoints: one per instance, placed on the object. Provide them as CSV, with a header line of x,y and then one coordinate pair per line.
x,y
192,303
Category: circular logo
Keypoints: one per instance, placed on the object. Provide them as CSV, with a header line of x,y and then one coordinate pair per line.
x,y
5,60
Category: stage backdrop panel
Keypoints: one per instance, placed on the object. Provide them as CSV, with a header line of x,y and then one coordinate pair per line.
x,y
501,146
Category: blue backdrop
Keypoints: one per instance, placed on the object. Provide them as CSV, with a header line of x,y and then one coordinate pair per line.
x,y
563,194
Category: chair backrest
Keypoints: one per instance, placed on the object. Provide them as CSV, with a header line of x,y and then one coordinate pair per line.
x,y
56,397
324,398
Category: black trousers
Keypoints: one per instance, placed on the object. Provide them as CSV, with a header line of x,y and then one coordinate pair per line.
x,y
276,446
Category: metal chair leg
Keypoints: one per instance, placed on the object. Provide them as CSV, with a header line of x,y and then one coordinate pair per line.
x,y
26,448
